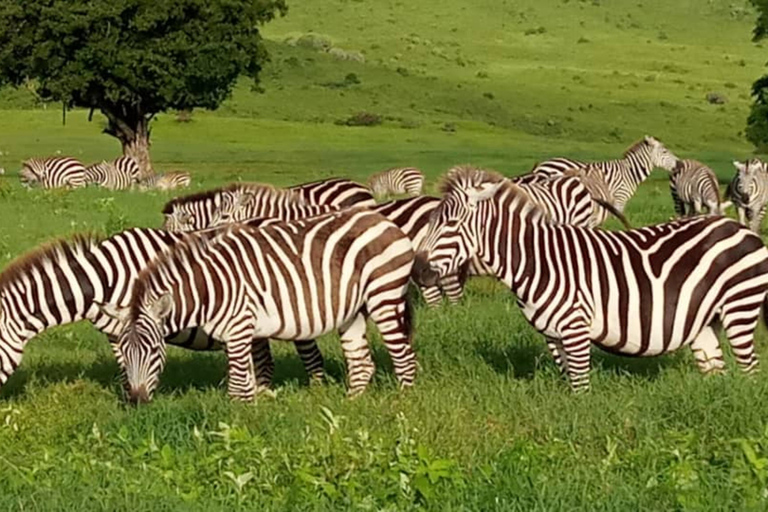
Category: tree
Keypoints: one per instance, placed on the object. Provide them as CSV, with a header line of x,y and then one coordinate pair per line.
x,y
132,59
757,122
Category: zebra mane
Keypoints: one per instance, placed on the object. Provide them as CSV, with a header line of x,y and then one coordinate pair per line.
x,y
47,252
642,143
266,193
461,177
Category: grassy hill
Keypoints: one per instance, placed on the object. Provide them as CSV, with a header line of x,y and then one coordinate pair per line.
x,y
490,425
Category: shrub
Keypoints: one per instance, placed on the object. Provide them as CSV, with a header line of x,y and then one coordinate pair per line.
x,y
361,119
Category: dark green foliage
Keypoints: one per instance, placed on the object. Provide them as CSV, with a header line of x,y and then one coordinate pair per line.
x,y
757,122
111,53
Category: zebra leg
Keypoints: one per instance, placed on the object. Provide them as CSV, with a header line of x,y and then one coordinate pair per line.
x,y
739,319
313,360
453,288
558,354
354,344
432,296
241,379
393,319
696,207
576,346
742,215
707,352
264,367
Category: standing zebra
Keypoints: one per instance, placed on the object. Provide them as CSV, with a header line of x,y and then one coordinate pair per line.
x,y
53,172
564,200
400,180
166,181
336,192
694,185
624,175
90,279
243,202
286,281
642,292
749,192
117,175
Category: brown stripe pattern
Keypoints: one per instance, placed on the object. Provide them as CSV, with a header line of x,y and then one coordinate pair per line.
x,y
641,292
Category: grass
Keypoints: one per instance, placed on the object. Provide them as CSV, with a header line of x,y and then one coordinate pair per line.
x,y
490,425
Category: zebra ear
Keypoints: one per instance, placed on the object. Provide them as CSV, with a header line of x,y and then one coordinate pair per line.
x,y
739,166
244,199
482,192
162,307
113,311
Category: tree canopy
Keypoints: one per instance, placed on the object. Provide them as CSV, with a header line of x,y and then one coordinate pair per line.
x,y
132,59
757,122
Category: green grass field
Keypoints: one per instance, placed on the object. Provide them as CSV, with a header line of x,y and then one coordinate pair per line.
x,y
489,425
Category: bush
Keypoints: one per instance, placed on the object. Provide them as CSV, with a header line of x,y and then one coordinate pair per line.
x,y
361,119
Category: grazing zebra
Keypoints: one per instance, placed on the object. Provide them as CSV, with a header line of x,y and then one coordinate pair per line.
x,y
624,175
287,281
117,175
337,192
88,279
400,180
694,185
749,192
53,172
166,181
641,292
246,202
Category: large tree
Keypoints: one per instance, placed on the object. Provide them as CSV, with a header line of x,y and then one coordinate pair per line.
x,y
132,59
757,122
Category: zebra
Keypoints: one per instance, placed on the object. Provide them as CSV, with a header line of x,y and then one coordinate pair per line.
x,y
695,185
749,192
623,175
641,292
53,172
399,180
116,175
87,278
337,192
166,181
287,281
564,199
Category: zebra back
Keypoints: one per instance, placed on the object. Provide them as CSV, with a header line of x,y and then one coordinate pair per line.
x,y
335,192
398,180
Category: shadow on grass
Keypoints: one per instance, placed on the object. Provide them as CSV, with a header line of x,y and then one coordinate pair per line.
x,y
199,371
523,360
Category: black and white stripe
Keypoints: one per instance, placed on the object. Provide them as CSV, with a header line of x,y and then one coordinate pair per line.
x,y
120,174
166,181
694,186
289,281
623,175
749,192
89,279
399,180
641,292
336,192
53,172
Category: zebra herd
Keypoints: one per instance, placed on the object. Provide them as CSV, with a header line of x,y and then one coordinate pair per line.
x,y
120,174
236,266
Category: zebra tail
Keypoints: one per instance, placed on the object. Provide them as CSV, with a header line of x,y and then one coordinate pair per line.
x,y
613,211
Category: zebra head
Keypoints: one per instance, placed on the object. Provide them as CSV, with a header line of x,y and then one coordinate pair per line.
x,y
141,348
452,236
32,171
659,155
196,211
749,174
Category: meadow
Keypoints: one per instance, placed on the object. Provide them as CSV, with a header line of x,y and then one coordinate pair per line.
x,y
489,425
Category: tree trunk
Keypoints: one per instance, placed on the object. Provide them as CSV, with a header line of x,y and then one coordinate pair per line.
x,y
131,128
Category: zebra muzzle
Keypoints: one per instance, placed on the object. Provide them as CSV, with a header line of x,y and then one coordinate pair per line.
x,y
138,395
422,272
